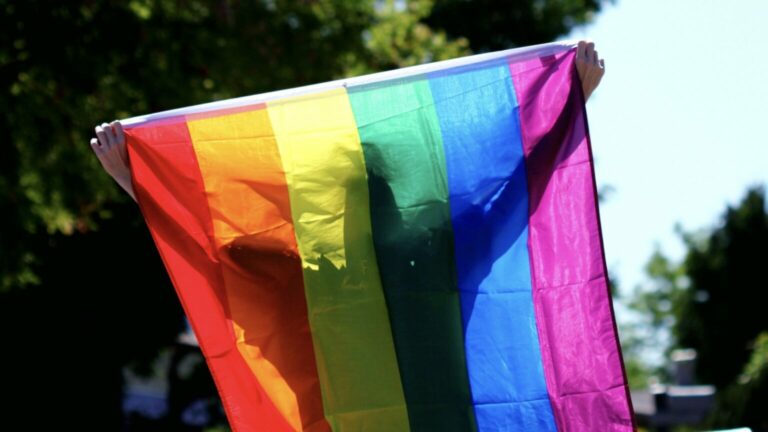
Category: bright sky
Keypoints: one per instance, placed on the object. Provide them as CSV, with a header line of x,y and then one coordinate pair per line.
x,y
677,122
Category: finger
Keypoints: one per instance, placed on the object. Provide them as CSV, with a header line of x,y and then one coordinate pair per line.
x,y
110,132
602,63
589,52
595,58
102,136
95,145
119,133
580,49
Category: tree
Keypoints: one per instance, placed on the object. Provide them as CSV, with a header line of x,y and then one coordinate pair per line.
x,y
501,24
714,301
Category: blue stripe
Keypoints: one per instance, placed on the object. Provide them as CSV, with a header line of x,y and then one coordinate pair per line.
x,y
488,194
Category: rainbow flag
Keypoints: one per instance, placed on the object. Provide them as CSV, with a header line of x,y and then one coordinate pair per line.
x,y
413,250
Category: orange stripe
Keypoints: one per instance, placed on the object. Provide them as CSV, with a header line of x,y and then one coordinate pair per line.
x,y
256,245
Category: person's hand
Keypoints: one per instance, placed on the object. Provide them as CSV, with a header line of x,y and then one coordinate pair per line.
x,y
590,67
111,150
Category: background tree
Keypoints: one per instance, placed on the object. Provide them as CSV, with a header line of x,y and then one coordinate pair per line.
x,y
500,24
714,301
82,290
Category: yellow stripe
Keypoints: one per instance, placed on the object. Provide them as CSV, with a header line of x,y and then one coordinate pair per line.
x,y
321,152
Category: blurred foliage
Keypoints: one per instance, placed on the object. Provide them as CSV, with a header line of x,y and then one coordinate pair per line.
x,y
715,302
639,373
82,290
744,401
505,24
723,311
398,38
655,314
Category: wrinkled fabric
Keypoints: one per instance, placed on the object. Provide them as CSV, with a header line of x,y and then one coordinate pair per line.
x,y
414,250
580,347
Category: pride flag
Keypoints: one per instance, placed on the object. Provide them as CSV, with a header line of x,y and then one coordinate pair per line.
x,y
414,250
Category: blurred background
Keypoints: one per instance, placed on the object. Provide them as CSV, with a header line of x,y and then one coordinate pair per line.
x,y
92,333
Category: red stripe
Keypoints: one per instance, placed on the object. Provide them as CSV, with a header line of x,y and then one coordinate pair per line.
x,y
170,193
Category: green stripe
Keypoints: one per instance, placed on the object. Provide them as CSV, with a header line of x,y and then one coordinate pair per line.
x,y
410,217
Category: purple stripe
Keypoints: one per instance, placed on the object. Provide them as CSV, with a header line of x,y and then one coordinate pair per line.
x,y
582,358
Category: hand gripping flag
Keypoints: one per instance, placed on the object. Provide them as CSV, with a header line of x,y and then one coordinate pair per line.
x,y
413,250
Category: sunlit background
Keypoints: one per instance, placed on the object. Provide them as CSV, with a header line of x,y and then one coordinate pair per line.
x,y
676,126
